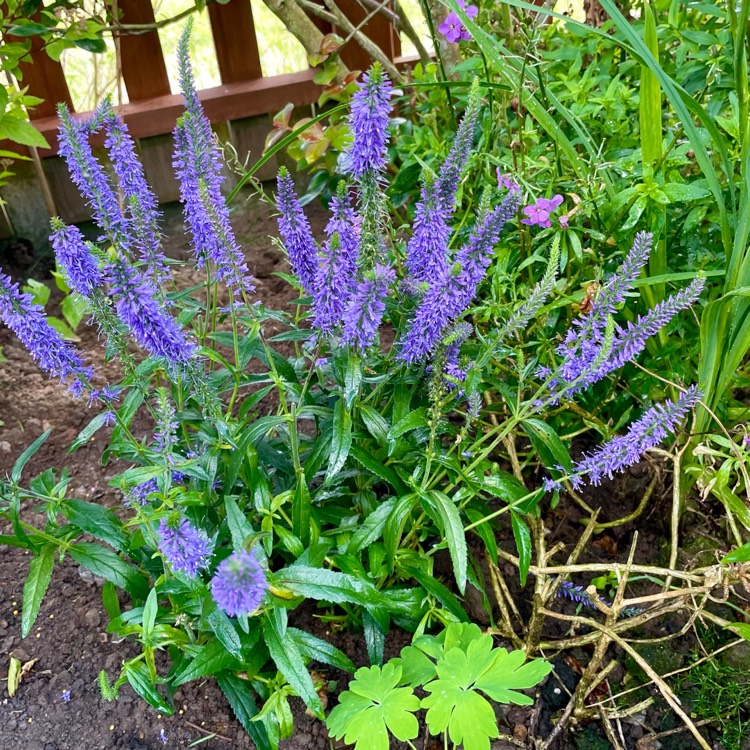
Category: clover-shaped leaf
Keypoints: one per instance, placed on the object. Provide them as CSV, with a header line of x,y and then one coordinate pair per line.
x,y
455,704
508,671
374,706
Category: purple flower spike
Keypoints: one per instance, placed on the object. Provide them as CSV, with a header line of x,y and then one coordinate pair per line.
x,y
186,548
140,200
152,327
427,250
336,273
78,265
90,179
505,181
625,450
52,353
239,584
198,164
370,110
296,233
366,307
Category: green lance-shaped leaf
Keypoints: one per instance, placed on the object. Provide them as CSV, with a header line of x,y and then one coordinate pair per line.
x,y
40,574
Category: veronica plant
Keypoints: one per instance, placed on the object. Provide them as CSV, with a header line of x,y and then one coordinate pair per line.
x,y
333,474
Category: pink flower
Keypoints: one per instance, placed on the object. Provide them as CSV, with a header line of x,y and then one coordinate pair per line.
x,y
564,221
452,28
505,181
538,214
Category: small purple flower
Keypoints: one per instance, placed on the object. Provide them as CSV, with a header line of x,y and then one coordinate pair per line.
x,y
185,547
538,214
296,233
625,450
239,584
564,221
366,307
52,353
452,27
370,110
139,494
65,696
163,736
505,181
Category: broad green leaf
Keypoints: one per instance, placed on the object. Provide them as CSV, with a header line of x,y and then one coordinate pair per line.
x,y
301,509
40,574
376,424
73,309
239,527
63,328
508,673
454,535
372,527
352,379
97,521
342,439
238,692
23,459
547,444
378,468
411,421
416,666
89,431
374,706
314,648
150,610
23,132
290,663
211,659
225,632
105,563
741,554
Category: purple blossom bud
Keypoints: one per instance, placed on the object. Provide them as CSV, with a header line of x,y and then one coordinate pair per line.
x,y
505,181
52,353
239,584
296,233
185,547
370,110
625,450
80,268
366,306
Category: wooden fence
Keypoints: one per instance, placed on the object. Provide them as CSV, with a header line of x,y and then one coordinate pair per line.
x,y
244,101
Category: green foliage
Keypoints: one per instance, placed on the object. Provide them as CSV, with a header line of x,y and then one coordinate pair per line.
x,y
459,670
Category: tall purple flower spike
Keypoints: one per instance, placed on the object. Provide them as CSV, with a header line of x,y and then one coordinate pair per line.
x,y
370,110
296,233
185,547
197,163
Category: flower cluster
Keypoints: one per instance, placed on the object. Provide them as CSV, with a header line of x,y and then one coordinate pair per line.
x,y
452,27
239,584
580,595
75,260
593,347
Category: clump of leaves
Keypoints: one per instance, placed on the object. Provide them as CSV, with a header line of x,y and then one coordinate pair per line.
x,y
461,670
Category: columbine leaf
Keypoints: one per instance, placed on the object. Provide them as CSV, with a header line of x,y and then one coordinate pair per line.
x,y
508,672
374,706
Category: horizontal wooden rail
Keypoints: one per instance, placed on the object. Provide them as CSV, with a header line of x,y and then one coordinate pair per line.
x,y
231,101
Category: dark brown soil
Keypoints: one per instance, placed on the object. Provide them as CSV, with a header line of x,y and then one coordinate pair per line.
x,y
69,645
